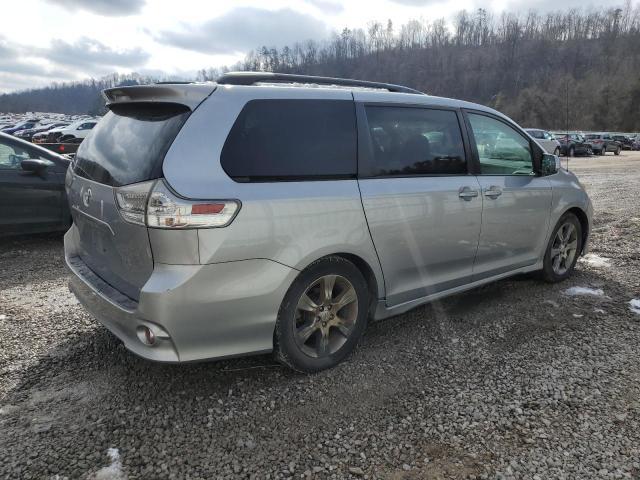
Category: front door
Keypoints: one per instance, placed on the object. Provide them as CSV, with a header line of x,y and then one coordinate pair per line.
x,y
516,201
29,202
422,206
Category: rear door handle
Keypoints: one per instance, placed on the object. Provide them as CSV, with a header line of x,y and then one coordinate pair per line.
x,y
467,193
493,191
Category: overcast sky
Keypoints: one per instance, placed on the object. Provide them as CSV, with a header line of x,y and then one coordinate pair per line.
x,y
42,41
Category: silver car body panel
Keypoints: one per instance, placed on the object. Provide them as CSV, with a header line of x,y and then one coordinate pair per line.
x,y
426,236
212,293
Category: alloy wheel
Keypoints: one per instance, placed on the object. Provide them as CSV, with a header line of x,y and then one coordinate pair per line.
x,y
326,316
564,248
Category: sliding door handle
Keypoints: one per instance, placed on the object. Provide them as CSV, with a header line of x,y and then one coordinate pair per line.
x,y
467,193
493,191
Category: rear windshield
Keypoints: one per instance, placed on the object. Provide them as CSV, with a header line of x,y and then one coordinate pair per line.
x,y
129,144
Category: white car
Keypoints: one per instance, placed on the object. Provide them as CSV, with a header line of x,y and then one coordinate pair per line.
x,y
545,139
79,129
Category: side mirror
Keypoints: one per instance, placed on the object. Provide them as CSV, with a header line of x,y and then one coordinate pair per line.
x,y
550,164
35,165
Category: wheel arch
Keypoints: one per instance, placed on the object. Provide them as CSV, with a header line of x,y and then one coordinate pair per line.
x,y
584,223
365,269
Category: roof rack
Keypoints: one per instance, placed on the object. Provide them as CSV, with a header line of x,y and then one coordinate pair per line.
x,y
251,78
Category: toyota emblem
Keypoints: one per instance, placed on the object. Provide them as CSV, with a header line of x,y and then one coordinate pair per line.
x,y
86,197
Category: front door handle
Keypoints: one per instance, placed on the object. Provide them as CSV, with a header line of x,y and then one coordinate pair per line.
x,y
493,191
467,193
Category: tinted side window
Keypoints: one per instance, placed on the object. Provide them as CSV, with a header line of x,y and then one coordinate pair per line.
x,y
502,150
415,141
292,139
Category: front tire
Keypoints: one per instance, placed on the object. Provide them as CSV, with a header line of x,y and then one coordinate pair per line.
x,y
617,152
563,249
572,152
556,152
322,317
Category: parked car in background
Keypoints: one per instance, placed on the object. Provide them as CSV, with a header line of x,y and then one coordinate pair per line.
x,y
624,140
20,126
602,143
69,148
572,144
29,133
635,142
78,129
32,192
203,233
545,139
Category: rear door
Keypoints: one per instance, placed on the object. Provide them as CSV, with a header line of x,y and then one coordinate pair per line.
x,y
422,206
516,201
126,147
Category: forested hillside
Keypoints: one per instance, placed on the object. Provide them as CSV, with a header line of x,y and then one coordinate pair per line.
x,y
531,66
526,66
72,98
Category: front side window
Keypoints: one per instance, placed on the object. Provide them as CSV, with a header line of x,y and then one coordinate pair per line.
x,y
11,156
415,141
277,140
501,149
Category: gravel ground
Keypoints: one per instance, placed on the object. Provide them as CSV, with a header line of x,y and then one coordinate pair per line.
x,y
513,380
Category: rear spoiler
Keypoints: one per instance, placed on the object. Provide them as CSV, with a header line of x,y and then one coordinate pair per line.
x,y
188,94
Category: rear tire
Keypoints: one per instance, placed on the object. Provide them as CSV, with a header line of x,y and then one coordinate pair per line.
x,y
572,152
563,249
617,152
322,317
556,152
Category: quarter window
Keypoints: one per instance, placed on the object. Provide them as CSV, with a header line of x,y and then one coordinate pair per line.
x,y
275,140
502,150
415,141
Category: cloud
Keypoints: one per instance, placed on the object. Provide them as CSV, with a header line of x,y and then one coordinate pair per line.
x,y
110,8
549,5
13,60
93,56
246,28
416,3
62,61
327,6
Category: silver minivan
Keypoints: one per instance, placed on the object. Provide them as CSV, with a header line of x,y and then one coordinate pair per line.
x,y
281,213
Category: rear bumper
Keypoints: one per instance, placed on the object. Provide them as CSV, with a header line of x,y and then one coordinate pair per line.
x,y
203,311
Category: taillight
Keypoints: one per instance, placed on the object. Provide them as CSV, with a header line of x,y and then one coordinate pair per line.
x,y
155,205
166,210
132,201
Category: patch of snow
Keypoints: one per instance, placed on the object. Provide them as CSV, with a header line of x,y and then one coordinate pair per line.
x,y
552,303
599,310
573,291
634,305
113,471
577,315
596,260
3,317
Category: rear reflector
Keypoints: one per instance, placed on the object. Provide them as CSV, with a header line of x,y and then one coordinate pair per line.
x,y
207,208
